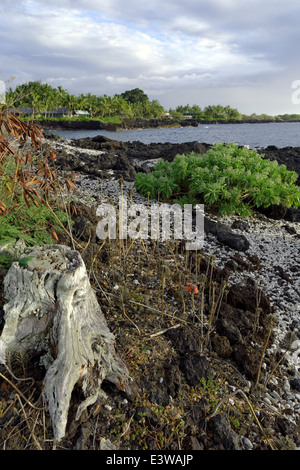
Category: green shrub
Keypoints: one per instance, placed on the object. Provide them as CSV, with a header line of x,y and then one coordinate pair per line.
x,y
230,178
34,224
29,205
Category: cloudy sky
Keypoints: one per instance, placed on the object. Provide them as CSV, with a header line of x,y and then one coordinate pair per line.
x,y
242,53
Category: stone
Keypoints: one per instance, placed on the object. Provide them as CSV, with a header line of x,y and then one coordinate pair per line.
x,y
286,386
221,345
195,444
240,225
195,367
50,306
226,438
233,240
295,384
274,211
248,443
292,215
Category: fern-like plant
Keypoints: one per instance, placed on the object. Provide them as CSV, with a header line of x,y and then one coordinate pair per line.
x,y
28,184
231,178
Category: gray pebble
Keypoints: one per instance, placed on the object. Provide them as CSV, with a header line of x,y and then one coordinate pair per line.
x,y
248,443
286,386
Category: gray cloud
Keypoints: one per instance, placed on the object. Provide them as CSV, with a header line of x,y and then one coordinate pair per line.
x,y
242,53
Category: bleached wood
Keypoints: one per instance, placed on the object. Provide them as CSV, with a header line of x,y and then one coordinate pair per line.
x,y
51,308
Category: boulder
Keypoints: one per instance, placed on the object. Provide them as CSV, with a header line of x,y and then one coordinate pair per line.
x,y
233,240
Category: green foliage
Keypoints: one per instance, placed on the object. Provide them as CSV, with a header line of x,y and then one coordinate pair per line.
x,y
230,178
7,260
165,426
33,224
28,185
135,96
209,113
42,99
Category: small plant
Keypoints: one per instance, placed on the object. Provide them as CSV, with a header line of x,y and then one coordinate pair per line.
x,y
28,184
34,225
230,178
6,260
150,422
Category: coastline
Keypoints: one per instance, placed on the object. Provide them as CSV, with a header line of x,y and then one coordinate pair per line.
x,y
130,124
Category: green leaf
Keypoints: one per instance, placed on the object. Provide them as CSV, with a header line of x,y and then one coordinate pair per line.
x,y
23,262
226,176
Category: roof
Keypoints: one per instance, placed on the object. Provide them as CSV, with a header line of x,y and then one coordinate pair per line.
x,y
22,110
81,113
57,111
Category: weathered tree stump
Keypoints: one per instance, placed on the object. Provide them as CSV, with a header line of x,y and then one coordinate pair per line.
x,y
51,307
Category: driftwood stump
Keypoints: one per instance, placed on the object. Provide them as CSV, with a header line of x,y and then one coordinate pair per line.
x,y
51,307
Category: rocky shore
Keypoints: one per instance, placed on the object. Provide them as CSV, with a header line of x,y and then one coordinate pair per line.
x,y
137,123
181,368
142,123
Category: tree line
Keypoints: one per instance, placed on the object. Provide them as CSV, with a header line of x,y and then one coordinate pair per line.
x,y
42,99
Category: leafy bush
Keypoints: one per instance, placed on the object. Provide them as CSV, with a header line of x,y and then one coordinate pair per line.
x,y
28,185
36,225
230,178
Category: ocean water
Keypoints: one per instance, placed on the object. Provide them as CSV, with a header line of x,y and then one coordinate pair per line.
x,y
253,135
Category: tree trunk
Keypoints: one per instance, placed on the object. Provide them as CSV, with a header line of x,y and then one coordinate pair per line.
x,y
51,307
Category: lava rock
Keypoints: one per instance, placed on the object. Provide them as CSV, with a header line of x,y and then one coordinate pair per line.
x,y
240,225
295,384
274,211
245,298
292,215
224,436
84,218
247,359
195,367
221,345
185,340
233,240
160,397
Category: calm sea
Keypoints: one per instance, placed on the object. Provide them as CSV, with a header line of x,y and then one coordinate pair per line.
x,y
254,135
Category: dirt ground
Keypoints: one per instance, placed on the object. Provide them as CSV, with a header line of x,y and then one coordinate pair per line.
x,y
189,351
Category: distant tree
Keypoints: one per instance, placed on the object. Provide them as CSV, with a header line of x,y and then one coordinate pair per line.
x,y
214,112
72,103
156,109
196,111
135,96
232,113
183,109
62,96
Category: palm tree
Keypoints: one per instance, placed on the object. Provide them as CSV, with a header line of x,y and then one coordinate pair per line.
x,y
82,101
94,104
72,103
105,105
123,107
35,103
62,96
10,98
156,109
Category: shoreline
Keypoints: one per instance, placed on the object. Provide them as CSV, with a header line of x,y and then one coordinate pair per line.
x,y
130,124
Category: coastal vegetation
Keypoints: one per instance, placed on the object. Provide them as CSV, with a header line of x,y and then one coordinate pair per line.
x,y
42,101
30,209
233,179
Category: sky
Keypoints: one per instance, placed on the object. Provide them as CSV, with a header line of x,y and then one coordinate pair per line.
x,y
241,53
